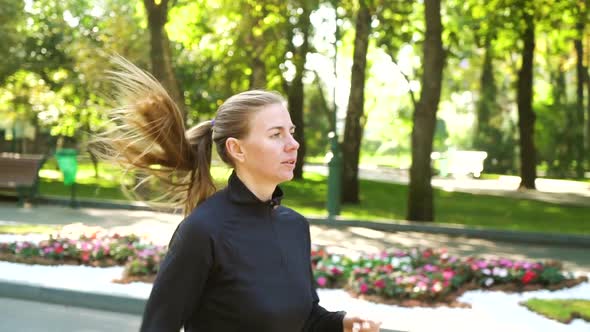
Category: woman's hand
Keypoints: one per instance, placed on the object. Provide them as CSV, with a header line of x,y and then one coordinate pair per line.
x,y
357,324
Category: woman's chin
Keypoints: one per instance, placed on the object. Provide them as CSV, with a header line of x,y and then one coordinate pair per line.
x,y
286,176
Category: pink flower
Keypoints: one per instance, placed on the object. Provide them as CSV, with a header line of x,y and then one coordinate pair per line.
x,y
380,284
322,281
430,268
364,288
482,264
448,274
85,256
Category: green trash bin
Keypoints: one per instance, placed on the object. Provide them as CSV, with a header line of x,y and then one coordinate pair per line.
x,y
67,160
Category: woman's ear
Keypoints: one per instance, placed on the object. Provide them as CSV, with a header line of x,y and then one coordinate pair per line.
x,y
234,148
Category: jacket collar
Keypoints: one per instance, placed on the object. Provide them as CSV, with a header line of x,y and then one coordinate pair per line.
x,y
239,193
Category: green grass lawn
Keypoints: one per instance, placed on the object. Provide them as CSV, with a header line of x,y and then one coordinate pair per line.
x,y
378,201
389,201
560,310
26,229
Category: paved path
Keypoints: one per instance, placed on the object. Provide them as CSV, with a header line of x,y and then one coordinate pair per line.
x,y
549,190
159,227
27,316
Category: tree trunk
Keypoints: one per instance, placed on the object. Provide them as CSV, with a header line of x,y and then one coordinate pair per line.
x,y
581,76
486,132
255,45
563,152
578,126
157,12
488,98
355,117
258,76
526,116
296,95
588,119
420,197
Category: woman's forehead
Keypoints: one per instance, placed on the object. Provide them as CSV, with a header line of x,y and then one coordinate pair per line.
x,y
273,116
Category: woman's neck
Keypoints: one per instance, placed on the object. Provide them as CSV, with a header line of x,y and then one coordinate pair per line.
x,y
262,190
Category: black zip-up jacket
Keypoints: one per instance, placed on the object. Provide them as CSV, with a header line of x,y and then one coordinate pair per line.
x,y
238,264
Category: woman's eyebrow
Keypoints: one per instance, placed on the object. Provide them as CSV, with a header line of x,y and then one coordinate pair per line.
x,y
280,128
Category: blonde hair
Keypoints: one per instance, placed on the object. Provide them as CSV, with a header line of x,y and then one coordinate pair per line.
x,y
148,136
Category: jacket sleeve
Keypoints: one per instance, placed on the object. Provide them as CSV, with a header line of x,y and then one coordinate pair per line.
x,y
180,280
320,319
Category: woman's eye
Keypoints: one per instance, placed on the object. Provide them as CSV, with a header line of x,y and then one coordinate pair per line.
x,y
276,135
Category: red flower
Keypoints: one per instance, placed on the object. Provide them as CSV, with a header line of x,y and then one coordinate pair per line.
x,y
528,277
59,250
388,268
85,256
364,288
380,283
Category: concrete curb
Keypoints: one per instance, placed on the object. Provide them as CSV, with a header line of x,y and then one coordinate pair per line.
x,y
107,302
120,304
575,241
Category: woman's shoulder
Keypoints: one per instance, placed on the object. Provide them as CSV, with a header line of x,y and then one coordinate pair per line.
x,y
292,215
204,217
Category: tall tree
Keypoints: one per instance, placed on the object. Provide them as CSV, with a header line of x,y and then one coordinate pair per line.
x,y
420,196
355,115
160,53
294,88
581,9
488,135
11,17
526,115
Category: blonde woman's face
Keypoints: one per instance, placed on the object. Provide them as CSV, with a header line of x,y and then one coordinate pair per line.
x,y
270,150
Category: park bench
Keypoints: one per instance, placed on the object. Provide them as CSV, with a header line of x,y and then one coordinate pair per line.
x,y
20,173
460,163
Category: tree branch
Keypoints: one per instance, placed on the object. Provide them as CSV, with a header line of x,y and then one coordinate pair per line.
x,y
328,111
412,96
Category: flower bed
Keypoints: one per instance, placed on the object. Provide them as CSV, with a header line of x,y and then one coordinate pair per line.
x,y
140,259
432,277
415,277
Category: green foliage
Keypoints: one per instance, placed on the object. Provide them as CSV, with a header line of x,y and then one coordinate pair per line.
x,y
562,310
552,137
317,123
11,22
54,55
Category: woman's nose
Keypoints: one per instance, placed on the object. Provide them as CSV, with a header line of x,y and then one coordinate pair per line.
x,y
292,144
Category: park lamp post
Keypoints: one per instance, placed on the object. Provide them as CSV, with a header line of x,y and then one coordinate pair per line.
x,y
334,179
335,162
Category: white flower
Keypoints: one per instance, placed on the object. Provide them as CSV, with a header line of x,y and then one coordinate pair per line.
x,y
395,262
336,258
500,272
405,259
437,287
489,281
487,272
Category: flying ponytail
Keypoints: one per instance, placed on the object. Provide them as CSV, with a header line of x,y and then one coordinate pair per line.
x,y
147,135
